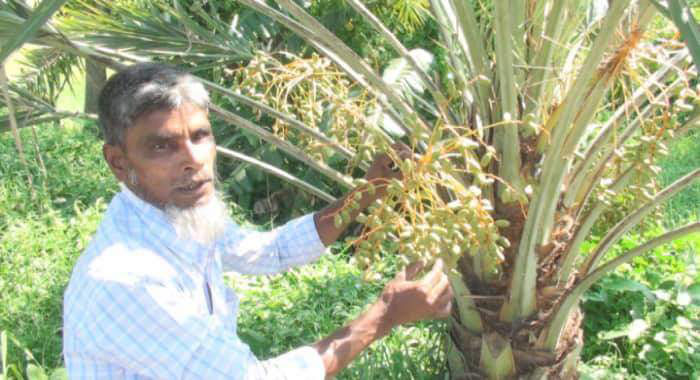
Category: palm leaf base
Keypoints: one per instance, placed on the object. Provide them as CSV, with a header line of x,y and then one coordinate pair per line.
x,y
511,352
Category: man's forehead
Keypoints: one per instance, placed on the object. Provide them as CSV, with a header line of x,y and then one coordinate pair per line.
x,y
175,122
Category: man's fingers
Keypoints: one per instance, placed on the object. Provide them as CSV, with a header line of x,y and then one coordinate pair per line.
x,y
412,270
433,276
445,309
438,289
402,150
384,159
446,292
444,302
386,162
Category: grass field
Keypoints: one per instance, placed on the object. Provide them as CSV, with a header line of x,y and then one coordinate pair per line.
x,y
43,232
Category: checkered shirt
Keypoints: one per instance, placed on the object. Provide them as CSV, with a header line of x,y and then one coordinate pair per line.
x,y
144,304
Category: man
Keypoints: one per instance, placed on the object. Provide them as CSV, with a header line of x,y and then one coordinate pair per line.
x,y
147,298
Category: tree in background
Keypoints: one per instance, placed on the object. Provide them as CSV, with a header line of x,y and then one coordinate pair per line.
x,y
529,122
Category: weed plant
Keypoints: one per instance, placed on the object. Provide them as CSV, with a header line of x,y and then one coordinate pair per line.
x,y
43,232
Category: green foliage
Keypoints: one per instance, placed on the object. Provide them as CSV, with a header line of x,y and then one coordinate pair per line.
x,y
408,18
41,237
684,156
645,317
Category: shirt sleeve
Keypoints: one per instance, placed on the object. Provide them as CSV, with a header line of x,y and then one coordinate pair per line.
x,y
153,330
253,252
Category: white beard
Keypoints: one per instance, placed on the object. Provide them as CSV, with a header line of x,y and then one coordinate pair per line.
x,y
204,223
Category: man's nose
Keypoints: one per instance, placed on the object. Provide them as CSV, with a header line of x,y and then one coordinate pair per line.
x,y
194,156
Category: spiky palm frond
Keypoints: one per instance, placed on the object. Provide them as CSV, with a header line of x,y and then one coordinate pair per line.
x,y
681,13
48,70
33,23
11,42
155,30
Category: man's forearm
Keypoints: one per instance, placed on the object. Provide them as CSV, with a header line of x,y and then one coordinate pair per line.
x,y
379,174
341,347
324,219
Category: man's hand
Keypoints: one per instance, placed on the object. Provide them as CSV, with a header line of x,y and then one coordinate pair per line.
x,y
408,300
403,300
383,168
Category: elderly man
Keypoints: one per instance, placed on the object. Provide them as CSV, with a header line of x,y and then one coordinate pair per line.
x,y
147,298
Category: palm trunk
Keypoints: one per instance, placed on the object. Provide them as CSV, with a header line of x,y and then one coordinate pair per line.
x,y
95,78
509,351
494,348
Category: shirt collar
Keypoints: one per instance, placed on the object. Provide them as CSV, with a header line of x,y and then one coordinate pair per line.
x,y
160,230
143,207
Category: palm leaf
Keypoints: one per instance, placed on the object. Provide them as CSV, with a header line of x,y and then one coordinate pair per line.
x,y
154,30
573,296
277,172
39,16
682,15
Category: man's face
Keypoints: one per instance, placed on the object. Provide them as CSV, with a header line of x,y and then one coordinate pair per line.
x,y
168,157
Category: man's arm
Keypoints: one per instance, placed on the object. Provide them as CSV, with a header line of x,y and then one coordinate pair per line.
x,y
380,172
324,219
402,301
257,252
304,239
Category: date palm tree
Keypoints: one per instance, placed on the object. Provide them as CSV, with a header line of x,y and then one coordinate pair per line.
x,y
537,117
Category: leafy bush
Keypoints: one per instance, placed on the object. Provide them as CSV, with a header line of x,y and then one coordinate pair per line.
x,y
645,316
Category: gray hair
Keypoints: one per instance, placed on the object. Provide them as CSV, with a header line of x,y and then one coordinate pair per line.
x,y
143,88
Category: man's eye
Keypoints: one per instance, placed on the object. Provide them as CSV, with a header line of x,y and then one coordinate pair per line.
x,y
159,147
200,135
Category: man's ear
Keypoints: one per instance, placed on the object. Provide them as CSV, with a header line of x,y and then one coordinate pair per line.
x,y
116,159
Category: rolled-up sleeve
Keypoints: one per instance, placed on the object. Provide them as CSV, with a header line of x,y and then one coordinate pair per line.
x,y
254,252
152,330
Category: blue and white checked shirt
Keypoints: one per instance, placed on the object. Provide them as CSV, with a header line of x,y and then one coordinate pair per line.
x,y
142,303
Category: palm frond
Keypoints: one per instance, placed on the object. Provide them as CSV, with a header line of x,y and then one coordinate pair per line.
x,y
572,298
682,15
48,71
39,16
277,172
155,30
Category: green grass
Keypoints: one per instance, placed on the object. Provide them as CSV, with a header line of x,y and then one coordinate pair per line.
x,y
41,236
650,290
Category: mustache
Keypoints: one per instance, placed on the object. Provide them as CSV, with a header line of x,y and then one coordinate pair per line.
x,y
193,181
